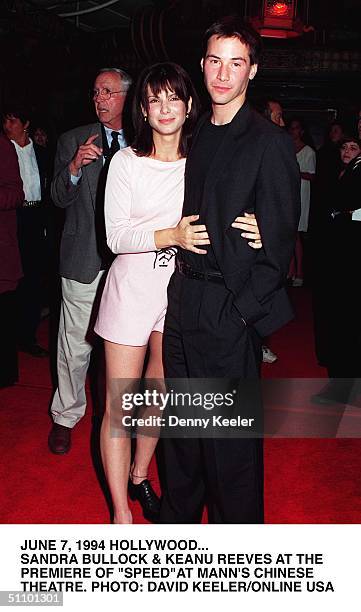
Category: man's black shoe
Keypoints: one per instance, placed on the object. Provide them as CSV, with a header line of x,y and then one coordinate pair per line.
x,y
59,440
147,497
332,394
34,349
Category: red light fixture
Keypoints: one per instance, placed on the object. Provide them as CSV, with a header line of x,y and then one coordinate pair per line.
x,y
278,14
280,8
279,19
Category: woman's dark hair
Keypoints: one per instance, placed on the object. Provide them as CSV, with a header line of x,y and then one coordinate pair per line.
x,y
230,27
327,141
161,77
18,112
306,137
341,124
350,138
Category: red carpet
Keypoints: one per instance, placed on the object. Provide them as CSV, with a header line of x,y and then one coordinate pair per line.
x,y
306,480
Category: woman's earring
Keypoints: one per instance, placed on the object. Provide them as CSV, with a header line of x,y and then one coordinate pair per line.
x,y
187,116
145,118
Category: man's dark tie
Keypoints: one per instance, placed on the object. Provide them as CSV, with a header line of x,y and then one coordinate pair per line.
x,y
114,145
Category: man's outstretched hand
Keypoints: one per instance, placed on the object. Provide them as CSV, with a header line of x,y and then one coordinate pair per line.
x,y
85,154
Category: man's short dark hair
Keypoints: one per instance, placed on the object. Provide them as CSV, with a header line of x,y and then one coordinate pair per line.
x,y
230,27
265,108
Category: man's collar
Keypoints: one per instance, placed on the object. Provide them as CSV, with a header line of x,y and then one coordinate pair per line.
x,y
244,106
30,144
239,121
110,130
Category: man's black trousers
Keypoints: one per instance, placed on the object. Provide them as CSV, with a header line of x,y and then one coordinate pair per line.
x,y
205,337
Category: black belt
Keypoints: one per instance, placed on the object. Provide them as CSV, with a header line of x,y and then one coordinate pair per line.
x,y
343,214
31,203
186,270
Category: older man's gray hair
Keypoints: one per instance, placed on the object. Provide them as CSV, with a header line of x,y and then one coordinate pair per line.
x,y
126,78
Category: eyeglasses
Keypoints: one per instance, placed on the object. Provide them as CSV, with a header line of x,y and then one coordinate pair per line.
x,y
105,93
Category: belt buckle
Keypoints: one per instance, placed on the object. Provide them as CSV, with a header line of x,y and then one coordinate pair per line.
x,y
31,203
198,275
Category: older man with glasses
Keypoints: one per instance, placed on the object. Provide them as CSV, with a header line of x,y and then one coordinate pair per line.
x,y
81,163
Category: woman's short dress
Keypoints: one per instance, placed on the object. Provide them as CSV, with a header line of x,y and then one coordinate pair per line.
x,y
142,195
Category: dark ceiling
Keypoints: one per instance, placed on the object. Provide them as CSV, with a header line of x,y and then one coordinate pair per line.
x,y
91,15
50,50
102,15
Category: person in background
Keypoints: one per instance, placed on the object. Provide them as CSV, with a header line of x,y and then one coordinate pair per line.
x,y
40,137
340,288
81,163
328,162
31,227
44,137
11,197
335,134
273,111
43,134
306,158
328,168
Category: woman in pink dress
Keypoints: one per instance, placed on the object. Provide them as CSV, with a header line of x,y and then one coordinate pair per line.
x,y
143,205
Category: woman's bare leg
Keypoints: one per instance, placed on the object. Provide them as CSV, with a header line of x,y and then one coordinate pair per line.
x,y
146,444
122,362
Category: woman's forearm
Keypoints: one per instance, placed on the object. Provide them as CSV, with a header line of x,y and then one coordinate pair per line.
x,y
165,238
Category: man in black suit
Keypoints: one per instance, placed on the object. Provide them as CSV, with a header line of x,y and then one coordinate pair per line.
x,y
221,304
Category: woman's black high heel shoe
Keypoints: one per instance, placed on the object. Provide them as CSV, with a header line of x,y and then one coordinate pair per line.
x,y
147,497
